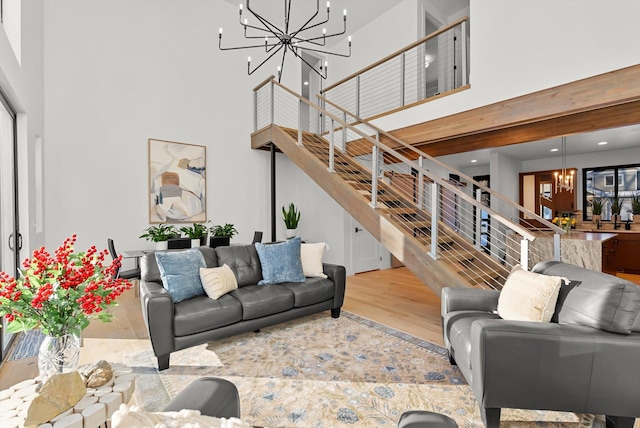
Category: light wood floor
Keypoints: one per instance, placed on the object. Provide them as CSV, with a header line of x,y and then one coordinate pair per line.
x,y
393,297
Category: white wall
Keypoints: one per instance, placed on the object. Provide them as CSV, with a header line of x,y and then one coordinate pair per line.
x,y
21,79
119,72
519,47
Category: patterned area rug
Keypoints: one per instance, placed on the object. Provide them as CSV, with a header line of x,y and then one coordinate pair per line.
x,y
323,372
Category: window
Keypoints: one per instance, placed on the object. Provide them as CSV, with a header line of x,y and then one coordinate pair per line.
x,y
599,183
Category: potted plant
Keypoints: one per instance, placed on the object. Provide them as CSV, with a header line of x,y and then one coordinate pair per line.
x,y
596,210
159,234
197,232
635,206
291,219
221,235
616,207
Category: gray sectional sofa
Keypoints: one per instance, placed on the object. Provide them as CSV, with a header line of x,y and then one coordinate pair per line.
x,y
586,360
175,326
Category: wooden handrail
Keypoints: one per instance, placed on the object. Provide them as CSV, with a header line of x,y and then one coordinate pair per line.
x,y
447,167
398,52
267,80
527,234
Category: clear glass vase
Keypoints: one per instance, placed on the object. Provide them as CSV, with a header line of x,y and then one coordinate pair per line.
x,y
58,355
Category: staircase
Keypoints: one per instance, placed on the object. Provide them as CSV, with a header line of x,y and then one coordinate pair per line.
x,y
429,223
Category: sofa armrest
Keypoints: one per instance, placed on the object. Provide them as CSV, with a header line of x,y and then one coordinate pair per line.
x,y
338,275
520,364
158,311
468,299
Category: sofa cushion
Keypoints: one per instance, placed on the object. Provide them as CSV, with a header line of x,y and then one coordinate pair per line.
x,y
243,261
594,299
529,296
202,314
180,273
313,290
311,257
261,300
218,281
280,262
457,328
150,272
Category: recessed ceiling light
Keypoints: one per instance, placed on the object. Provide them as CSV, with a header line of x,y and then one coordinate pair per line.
x,y
554,150
305,83
602,143
474,160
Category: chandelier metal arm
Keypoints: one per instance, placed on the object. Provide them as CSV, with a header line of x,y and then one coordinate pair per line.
x,y
327,52
310,66
269,26
304,26
237,47
323,37
265,60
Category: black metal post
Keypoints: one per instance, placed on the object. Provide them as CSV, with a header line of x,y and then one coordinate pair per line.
x,y
273,192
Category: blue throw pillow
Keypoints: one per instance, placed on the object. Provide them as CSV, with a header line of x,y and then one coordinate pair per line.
x,y
281,262
180,273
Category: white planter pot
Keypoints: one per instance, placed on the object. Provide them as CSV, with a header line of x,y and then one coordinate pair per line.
x,y
195,243
162,245
291,233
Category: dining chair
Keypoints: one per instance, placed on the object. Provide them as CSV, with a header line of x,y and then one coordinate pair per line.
x,y
125,274
257,237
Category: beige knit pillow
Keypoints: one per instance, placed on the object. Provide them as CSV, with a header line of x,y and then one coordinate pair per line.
x,y
528,296
218,281
311,258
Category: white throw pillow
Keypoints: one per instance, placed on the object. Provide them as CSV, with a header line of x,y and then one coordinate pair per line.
x,y
133,417
529,296
218,281
311,256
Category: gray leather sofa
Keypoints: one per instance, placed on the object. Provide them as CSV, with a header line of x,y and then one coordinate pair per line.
x,y
587,360
175,326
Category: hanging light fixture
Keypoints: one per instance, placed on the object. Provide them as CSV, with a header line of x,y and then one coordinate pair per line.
x,y
283,38
564,180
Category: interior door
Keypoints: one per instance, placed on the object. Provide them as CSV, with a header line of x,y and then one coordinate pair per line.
x,y
9,237
366,250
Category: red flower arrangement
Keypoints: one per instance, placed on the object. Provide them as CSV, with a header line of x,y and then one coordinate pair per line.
x,y
60,294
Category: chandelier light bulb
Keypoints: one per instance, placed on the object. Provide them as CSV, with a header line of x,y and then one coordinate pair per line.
x,y
245,21
220,31
345,13
249,60
324,31
240,7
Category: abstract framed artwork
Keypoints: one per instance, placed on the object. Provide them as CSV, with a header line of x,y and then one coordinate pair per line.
x,y
177,184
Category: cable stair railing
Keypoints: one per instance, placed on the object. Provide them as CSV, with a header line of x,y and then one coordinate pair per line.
x,y
405,194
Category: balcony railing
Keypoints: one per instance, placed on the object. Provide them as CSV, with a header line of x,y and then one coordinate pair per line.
x,y
423,183
433,66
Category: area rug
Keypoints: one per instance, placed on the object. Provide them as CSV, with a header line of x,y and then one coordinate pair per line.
x,y
323,372
26,345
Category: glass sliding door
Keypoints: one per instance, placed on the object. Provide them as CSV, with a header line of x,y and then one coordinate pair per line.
x,y
9,237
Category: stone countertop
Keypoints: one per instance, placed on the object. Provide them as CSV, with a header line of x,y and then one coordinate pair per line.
x,y
580,235
610,231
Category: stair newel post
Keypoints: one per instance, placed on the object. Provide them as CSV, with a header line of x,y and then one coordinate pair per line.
x,y
300,103
420,182
357,97
331,148
344,132
524,254
463,36
374,176
272,103
478,219
556,247
402,77
435,215
255,110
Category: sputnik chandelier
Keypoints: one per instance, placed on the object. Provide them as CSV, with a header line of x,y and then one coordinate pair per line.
x,y
564,180
283,38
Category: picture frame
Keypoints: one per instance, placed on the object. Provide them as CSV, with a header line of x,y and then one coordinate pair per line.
x,y
177,182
